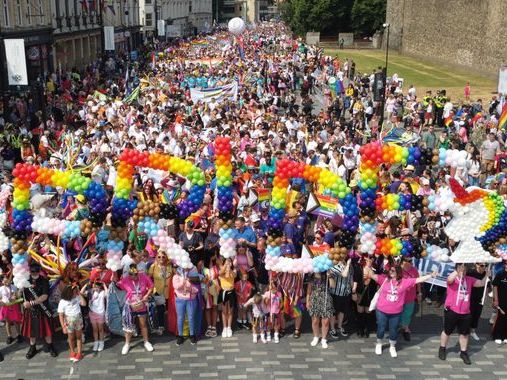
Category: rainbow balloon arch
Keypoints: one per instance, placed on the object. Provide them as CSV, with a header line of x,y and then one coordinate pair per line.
x,y
358,216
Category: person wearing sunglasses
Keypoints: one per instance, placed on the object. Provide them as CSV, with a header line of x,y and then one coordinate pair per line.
x,y
479,272
160,272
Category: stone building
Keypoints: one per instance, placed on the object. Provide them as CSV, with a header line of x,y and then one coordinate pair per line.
x,y
469,33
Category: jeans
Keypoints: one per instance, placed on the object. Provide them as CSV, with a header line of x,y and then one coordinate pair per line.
x,y
384,320
189,307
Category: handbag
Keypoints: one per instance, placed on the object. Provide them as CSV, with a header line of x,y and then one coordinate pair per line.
x,y
374,300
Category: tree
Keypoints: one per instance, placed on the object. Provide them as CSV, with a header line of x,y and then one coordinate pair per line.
x,y
368,16
317,15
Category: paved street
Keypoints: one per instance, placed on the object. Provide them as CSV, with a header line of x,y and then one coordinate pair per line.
x,y
239,358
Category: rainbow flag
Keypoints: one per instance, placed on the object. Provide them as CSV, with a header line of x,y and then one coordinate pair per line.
x,y
448,121
502,121
263,195
477,116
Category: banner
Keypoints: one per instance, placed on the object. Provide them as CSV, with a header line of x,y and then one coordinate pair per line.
x,y
502,80
427,266
161,28
109,38
227,92
16,62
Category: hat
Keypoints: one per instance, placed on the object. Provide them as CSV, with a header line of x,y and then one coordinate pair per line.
x,y
410,167
425,181
80,198
254,218
133,269
292,214
405,231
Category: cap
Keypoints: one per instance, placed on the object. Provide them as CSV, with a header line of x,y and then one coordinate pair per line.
x,y
80,198
254,218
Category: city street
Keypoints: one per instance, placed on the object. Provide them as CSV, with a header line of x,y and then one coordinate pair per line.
x,y
239,358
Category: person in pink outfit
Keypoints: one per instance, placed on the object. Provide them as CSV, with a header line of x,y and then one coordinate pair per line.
x,y
243,289
273,300
10,312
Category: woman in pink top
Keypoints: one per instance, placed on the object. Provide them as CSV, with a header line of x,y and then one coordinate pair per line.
x,y
393,289
186,301
457,310
138,287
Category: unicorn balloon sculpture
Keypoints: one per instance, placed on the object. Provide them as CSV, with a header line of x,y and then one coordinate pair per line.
x,y
479,224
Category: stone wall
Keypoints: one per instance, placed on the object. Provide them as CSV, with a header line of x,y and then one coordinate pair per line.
x,y
470,33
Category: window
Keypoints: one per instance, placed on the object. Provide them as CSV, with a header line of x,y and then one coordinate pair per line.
x,y
6,12
190,7
41,13
149,19
147,1
18,12
28,12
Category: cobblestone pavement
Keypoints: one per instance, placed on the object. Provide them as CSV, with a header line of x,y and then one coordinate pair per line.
x,y
238,358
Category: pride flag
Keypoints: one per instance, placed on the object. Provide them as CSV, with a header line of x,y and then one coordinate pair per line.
x,y
502,121
448,121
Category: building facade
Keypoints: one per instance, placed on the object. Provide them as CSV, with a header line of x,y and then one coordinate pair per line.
x,y
29,20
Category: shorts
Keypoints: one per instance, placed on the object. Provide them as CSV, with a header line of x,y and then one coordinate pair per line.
x,y
96,318
74,323
341,304
139,313
453,320
227,296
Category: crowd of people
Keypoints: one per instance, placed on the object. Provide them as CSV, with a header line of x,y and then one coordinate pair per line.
x,y
292,102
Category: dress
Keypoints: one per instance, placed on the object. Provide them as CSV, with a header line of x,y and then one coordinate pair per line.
x,y
37,320
11,313
321,303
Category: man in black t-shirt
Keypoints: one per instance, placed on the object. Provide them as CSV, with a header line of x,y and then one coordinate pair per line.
x,y
499,332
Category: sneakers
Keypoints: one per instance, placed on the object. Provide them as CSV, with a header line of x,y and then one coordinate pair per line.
x,y
342,332
32,351
20,338
100,347
268,336
464,356
505,341
263,338
9,340
498,341
277,338
315,341
392,351
179,340
72,357
224,332
474,336
125,349
77,357
159,331
254,338
442,353
324,343
229,332
406,336
378,348
193,340
148,347
96,345
334,334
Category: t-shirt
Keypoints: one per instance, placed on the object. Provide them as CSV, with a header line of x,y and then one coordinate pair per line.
x,y
136,289
500,281
489,149
393,293
97,301
70,308
274,301
459,294
411,295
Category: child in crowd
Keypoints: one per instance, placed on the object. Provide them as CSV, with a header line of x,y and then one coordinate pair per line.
x,y
243,289
273,300
259,311
10,313
96,296
69,313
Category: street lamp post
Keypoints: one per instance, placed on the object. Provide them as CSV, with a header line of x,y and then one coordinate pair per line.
x,y
382,110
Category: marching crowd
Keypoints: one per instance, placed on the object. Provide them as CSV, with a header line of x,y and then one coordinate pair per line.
x,y
292,102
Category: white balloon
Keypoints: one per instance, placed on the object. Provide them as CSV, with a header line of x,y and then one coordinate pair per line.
x,y
236,26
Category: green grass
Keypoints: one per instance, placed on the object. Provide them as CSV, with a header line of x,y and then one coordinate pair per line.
x,y
424,75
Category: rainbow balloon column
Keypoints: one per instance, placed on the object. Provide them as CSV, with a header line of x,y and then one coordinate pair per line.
x,y
225,195
24,176
335,186
124,207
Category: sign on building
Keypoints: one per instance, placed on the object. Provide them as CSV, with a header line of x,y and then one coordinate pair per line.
x,y
161,28
16,62
502,80
173,31
109,38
